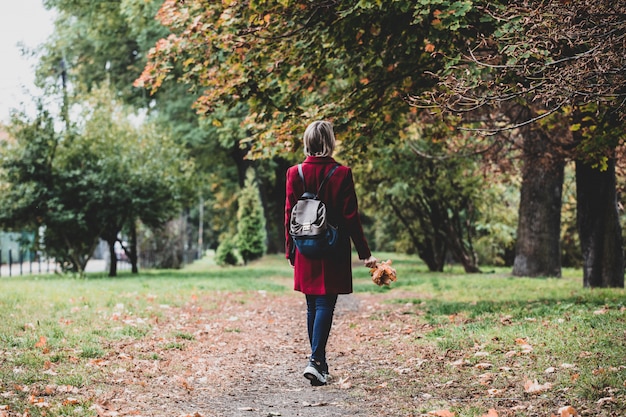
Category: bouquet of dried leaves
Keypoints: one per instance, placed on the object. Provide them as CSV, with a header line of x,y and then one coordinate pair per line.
x,y
383,273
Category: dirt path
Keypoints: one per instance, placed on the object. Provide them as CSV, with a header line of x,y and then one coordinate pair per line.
x,y
243,355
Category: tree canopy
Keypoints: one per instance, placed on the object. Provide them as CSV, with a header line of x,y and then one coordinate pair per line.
x,y
90,182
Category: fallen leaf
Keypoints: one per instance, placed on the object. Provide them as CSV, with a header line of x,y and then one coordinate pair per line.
x,y
442,413
320,404
42,342
460,362
567,411
343,383
605,400
534,387
526,348
486,379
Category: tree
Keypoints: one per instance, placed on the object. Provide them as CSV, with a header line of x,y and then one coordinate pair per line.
x,y
107,41
149,178
564,60
42,188
538,249
90,182
430,202
251,233
269,56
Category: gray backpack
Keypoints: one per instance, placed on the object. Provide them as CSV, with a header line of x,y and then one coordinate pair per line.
x,y
313,235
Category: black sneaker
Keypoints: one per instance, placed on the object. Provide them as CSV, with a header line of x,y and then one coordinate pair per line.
x,y
316,372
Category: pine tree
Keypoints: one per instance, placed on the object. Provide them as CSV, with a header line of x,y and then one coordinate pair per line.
x,y
251,232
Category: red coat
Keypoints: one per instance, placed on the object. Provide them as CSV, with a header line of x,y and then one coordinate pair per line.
x,y
333,275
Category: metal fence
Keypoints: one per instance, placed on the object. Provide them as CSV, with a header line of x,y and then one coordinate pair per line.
x,y
24,262
16,262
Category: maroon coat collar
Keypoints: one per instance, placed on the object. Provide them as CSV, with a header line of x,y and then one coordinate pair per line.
x,y
319,160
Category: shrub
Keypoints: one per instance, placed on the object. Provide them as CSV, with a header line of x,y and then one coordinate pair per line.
x,y
226,253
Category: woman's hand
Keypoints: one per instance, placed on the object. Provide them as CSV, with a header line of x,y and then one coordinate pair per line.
x,y
370,262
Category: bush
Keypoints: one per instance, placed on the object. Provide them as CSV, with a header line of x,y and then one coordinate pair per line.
x,y
226,253
251,233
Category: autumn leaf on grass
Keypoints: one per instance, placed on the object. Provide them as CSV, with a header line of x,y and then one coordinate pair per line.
x,y
524,345
442,413
534,387
567,411
41,343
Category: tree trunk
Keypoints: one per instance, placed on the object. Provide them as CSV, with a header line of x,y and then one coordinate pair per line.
x,y
538,249
113,258
431,250
132,253
599,227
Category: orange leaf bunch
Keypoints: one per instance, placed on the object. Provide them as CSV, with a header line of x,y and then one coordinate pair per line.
x,y
383,273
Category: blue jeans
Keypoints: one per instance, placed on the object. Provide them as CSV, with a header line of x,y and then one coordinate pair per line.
x,y
320,310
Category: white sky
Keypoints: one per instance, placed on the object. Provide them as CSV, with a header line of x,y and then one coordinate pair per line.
x,y
28,22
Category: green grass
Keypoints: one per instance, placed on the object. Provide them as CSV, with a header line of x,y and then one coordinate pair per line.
x,y
581,333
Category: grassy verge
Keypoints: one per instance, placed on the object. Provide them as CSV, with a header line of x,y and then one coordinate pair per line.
x,y
502,340
55,329
488,335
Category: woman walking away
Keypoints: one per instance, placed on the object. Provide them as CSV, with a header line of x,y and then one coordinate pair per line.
x,y
322,279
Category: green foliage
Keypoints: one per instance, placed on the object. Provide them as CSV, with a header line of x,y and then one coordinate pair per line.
x,y
251,232
90,182
268,55
497,223
100,41
424,198
227,253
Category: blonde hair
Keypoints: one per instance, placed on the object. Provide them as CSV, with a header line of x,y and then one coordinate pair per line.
x,y
319,139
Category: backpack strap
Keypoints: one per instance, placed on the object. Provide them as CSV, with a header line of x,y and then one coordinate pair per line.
x,y
331,172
